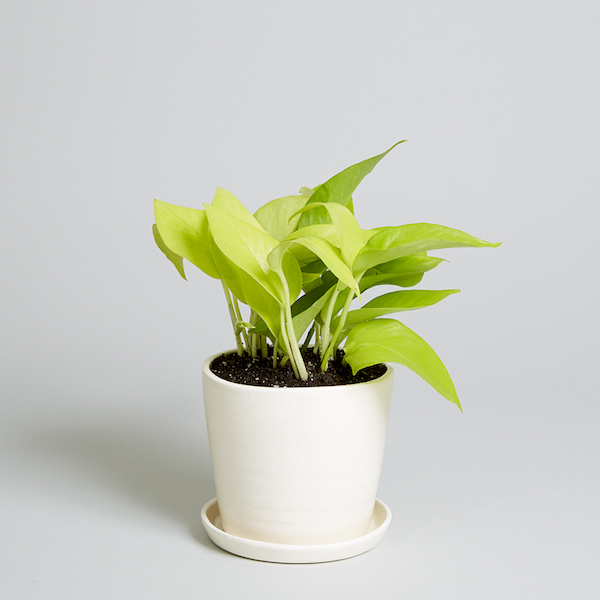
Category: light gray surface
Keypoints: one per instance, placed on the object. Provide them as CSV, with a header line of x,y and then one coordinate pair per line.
x,y
104,459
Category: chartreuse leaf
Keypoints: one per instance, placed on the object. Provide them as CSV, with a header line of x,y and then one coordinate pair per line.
x,y
405,271
303,320
324,231
346,227
248,291
277,217
228,203
409,265
328,254
386,340
185,232
263,303
390,303
245,246
174,258
288,270
340,188
390,243
309,281
229,272
309,305
311,274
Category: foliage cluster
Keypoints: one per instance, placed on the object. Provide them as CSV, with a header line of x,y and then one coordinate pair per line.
x,y
300,261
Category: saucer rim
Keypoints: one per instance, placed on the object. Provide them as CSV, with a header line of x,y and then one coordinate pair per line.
x,y
296,553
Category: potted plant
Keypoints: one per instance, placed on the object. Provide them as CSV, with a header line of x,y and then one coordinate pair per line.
x,y
297,413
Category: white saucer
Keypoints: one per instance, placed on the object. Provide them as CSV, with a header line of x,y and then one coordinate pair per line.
x,y
284,553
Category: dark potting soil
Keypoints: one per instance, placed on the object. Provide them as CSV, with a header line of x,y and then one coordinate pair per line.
x,y
259,371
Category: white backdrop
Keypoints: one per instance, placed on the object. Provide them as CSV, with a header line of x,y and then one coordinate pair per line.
x,y
105,106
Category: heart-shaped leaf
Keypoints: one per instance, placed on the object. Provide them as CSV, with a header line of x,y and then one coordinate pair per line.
x,y
390,243
174,258
404,272
185,232
245,246
277,217
340,187
387,304
228,203
386,340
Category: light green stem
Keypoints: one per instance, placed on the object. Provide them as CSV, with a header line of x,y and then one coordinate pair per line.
x,y
238,339
294,343
286,342
326,333
333,342
253,336
238,314
287,323
317,338
264,348
275,353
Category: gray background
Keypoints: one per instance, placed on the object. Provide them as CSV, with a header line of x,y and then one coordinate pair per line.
x,y
105,106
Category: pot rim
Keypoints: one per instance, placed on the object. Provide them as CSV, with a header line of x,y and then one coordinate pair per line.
x,y
275,390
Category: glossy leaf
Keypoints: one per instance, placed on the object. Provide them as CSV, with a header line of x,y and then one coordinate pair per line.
x,y
347,230
248,291
185,232
262,303
386,340
245,246
288,270
311,273
393,279
228,203
276,217
405,271
306,308
328,254
174,258
229,272
390,303
302,253
325,231
340,187
303,319
390,243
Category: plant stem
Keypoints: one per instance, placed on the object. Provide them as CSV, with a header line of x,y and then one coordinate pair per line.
x,y
238,339
264,348
294,343
333,342
238,314
326,333
275,353
286,341
253,336
317,338
287,323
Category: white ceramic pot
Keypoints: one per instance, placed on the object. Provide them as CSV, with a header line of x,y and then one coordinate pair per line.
x,y
296,465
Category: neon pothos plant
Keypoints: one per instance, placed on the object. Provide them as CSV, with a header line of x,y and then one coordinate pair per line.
x,y
300,261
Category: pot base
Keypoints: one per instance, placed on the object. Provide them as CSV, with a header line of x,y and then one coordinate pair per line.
x,y
292,553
